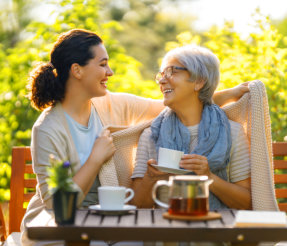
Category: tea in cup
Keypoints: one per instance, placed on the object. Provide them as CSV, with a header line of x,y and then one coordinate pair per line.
x,y
188,194
114,197
169,157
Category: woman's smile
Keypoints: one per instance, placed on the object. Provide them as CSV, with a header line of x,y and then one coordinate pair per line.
x,y
104,82
167,91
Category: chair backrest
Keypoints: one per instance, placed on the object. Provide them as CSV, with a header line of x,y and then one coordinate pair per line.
x,y
22,186
2,226
280,178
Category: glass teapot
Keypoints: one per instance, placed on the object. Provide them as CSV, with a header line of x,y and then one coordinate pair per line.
x,y
188,194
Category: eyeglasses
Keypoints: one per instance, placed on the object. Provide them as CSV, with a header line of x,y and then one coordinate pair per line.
x,y
167,72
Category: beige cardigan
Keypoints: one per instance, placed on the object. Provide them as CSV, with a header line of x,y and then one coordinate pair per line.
x,y
252,111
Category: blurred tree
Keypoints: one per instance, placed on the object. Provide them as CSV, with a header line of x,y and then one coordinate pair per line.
x,y
260,56
281,25
145,27
15,15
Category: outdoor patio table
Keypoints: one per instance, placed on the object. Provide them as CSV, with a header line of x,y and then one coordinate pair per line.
x,y
149,225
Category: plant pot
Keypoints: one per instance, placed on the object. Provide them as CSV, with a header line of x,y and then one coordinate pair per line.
x,y
65,205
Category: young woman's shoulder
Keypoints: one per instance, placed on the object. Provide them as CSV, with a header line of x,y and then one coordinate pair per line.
x,y
50,120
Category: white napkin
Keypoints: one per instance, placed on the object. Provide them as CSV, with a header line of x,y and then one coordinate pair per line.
x,y
247,218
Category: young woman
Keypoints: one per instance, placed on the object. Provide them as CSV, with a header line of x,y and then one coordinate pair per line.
x,y
213,145
72,90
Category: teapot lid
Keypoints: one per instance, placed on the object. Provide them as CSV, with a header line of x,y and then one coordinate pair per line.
x,y
190,177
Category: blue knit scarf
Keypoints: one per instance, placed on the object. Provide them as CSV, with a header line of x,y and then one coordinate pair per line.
x,y
214,140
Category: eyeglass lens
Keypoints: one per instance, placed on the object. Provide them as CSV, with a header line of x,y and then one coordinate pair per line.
x,y
165,73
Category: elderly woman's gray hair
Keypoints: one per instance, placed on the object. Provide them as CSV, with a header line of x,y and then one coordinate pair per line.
x,y
202,65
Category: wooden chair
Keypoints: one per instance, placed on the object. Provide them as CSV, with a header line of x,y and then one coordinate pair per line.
x,y
22,186
3,234
280,150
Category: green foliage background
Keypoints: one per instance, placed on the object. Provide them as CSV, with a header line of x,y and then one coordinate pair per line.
x,y
261,56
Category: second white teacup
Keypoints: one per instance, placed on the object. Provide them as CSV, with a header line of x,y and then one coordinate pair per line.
x,y
169,157
114,197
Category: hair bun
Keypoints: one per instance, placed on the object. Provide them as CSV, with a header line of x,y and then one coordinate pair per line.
x,y
50,65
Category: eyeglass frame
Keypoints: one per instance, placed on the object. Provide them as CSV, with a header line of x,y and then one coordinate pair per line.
x,y
163,74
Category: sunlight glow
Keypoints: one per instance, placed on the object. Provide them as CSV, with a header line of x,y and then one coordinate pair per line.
x,y
210,12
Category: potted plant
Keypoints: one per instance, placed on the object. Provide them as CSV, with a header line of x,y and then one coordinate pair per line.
x,y
63,190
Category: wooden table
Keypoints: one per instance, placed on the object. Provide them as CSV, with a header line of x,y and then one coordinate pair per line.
x,y
149,225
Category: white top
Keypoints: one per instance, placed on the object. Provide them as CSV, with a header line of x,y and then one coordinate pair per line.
x,y
84,136
238,167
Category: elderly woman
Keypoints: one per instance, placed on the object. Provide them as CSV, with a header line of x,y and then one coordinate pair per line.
x,y
213,145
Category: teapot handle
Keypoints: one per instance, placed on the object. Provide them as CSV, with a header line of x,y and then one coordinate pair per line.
x,y
154,189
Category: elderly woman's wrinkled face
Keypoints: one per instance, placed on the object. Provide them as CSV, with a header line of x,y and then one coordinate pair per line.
x,y
177,90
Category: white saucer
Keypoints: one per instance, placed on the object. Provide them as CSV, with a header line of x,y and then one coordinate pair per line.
x,y
171,170
126,209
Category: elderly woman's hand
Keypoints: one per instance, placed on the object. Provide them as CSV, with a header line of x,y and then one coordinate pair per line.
x,y
195,163
154,173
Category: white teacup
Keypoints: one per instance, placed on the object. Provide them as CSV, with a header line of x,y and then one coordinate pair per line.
x,y
169,157
114,197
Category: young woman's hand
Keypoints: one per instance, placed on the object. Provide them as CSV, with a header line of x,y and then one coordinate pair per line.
x,y
195,163
230,95
239,90
103,148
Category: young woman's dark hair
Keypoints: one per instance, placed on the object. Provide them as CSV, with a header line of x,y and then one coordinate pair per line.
x,y
47,83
